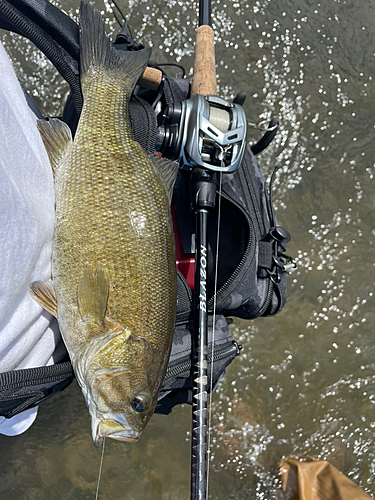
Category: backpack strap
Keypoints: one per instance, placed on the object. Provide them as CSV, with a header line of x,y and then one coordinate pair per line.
x,y
55,23
24,389
143,123
65,61
176,89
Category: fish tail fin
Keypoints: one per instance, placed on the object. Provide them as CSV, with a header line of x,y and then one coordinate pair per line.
x,y
97,51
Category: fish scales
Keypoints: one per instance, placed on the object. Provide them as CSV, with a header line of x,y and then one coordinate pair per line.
x,y
114,221
113,263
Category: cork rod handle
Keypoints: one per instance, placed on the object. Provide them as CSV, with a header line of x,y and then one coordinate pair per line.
x,y
204,76
150,78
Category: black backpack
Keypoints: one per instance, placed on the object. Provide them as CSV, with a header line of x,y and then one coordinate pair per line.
x,y
252,264
252,269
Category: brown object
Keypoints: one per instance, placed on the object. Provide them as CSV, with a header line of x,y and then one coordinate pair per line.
x,y
317,480
204,76
150,78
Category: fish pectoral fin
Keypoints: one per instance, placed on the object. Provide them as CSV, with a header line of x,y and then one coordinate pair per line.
x,y
57,137
93,293
168,171
43,292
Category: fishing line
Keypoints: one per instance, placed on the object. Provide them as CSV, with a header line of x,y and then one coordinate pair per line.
x,y
119,10
213,333
117,19
107,4
100,471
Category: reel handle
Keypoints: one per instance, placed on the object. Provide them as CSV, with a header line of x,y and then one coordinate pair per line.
x,y
204,75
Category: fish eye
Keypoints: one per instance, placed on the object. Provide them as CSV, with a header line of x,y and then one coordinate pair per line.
x,y
139,403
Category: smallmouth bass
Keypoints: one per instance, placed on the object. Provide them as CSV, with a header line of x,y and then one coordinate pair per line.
x,y
114,287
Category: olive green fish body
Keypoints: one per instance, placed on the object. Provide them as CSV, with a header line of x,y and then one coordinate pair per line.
x,y
112,207
113,264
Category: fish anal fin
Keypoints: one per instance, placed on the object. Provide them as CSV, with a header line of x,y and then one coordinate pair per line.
x,y
43,292
56,136
93,293
167,170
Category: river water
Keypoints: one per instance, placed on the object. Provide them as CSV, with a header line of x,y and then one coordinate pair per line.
x,y
304,384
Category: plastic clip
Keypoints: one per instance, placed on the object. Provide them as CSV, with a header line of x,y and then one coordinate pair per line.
x,y
290,265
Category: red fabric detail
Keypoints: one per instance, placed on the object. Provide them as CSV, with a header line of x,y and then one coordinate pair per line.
x,y
185,262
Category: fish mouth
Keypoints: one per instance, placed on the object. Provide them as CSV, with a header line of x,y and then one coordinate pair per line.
x,y
113,429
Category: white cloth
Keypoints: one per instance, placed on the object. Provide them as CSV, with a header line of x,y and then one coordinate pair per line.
x,y
19,423
29,336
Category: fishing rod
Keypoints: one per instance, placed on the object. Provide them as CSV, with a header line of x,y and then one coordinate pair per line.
x,y
207,135
213,140
203,197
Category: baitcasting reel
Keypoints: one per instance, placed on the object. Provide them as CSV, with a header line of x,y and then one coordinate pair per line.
x,y
204,131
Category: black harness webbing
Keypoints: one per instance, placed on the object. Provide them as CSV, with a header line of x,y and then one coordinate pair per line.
x,y
176,90
143,123
24,389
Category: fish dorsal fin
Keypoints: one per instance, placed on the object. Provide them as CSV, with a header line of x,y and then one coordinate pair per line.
x,y
57,137
93,292
44,293
168,171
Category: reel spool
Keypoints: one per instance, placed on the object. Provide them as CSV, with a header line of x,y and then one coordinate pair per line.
x,y
204,131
